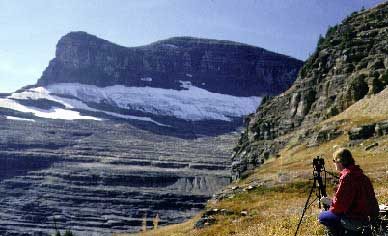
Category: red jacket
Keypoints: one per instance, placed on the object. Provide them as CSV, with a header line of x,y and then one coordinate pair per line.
x,y
355,197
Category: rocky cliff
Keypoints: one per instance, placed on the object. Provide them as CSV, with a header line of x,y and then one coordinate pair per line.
x,y
349,63
218,66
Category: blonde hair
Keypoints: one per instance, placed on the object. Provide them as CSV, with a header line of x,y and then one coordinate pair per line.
x,y
344,156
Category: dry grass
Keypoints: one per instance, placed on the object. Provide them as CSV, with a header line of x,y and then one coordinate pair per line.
x,y
175,229
372,107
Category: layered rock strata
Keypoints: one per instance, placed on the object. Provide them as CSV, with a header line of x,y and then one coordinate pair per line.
x,y
99,178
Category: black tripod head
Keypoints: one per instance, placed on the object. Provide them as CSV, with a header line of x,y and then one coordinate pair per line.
x,y
319,182
319,164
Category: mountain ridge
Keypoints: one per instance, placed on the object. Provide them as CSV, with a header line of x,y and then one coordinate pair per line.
x,y
81,56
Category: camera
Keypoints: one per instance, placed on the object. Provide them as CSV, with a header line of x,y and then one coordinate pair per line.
x,y
318,164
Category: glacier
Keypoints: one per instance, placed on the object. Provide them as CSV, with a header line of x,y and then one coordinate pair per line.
x,y
190,103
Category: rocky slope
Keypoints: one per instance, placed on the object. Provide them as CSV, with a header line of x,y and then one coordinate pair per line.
x,y
349,63
99,178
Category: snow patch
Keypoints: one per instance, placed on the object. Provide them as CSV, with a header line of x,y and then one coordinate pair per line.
x,y
53,113
43,93
189,75
147,79
185,84
170,45
18,118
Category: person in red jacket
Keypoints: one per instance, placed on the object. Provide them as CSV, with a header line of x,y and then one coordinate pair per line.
x,y
354,203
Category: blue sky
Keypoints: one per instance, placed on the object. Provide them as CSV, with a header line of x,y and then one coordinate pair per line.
x,y
29,30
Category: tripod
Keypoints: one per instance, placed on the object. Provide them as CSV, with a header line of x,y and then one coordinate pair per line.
x,y
318,186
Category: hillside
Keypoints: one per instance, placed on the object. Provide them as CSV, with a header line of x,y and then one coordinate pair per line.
x,y
350,62
271,199
338,100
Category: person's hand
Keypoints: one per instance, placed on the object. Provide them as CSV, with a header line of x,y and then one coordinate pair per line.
x,y
326,201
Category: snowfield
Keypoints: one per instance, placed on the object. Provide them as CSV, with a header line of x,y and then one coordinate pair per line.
x,y
191,103
53,113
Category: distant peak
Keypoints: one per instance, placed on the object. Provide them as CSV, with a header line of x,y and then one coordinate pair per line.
x,y
80,36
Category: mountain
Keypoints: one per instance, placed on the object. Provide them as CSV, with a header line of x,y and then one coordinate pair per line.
x,y
350,63
180,86
215,65
111,135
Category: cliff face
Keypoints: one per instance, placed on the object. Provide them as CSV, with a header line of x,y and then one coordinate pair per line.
x,y
219,66
350,62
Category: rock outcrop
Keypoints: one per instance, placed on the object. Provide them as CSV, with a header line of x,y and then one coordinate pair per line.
x,y
350,62
368,130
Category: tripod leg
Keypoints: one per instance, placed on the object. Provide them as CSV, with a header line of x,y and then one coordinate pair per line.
x,y
306,205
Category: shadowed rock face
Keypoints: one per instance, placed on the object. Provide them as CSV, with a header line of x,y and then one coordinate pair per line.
x,y
218,66
349,63
99,178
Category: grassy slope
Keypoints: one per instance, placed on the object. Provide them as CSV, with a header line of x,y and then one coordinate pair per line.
x,y
275,207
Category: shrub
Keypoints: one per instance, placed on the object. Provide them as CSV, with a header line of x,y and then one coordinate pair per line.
x,y
333,111
377,86
331,31
68,233
309,64
358,87
156,221
144,223
384,78
321,39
